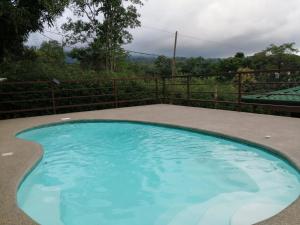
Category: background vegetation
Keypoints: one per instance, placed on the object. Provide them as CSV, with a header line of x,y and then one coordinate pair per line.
x,y
51,61
102,29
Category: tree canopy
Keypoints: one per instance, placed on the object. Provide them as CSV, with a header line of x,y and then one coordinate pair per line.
x,y
103,24
19,18
51,52
273,57
281,54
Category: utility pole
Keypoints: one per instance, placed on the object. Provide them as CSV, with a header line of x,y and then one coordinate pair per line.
x,y
174,56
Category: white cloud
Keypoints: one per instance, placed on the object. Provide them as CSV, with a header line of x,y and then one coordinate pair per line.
x,y
223,27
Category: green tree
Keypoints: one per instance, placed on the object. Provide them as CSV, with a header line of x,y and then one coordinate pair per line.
x,y
104,24
199,66
163,66
193,66
240,55
278,55
19,18
51,52
231,64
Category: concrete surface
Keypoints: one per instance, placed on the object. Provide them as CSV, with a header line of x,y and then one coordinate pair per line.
x,y
284,132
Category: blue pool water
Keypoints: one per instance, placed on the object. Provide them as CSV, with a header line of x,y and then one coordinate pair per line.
x,y
121,173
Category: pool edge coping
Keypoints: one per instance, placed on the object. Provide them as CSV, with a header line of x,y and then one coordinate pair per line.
x,y
35,162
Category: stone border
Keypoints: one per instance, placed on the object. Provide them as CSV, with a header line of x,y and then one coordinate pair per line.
x,y
250,128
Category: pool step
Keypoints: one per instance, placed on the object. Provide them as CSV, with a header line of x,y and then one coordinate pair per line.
x,y
42,199
238,208
255,212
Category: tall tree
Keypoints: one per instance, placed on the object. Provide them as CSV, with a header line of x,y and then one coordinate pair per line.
x,y
163,66
276,57
277,54
51,52
104,25
19,18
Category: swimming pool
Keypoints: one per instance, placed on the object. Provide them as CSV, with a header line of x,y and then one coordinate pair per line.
x,y
123,173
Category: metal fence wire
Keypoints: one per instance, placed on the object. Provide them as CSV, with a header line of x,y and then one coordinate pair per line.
x,y
268,91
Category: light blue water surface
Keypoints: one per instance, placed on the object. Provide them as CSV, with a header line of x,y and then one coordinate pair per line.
x,y
121,173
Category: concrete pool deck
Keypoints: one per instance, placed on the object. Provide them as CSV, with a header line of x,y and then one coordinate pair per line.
x,y
17,156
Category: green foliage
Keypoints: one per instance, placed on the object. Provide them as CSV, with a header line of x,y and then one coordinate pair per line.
x,y
273,57
198,66
89,58
104,24
163,66
93,58
276,57
45,63
279,55
48,62
19,18
240,55
51,52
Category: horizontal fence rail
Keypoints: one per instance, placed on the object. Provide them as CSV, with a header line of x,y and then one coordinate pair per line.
x,y
18,99
264,91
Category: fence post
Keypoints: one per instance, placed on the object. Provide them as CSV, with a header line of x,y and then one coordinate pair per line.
x,y
53,99
156,89
115,92
164,90
239,91
188,88
215,96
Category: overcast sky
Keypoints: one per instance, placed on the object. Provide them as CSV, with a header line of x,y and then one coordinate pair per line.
x,y
209,28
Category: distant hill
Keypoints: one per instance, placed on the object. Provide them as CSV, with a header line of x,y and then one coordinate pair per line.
x,y
141,59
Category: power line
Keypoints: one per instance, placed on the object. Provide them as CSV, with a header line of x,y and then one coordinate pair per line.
x,y
143,53
185,35
158,29
188,36
169,32
165,31
202,39
48,37
127,50
56,40
54,33
161,30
